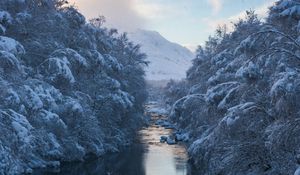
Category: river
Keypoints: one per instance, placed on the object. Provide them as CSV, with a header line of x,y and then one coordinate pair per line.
x,y
147,156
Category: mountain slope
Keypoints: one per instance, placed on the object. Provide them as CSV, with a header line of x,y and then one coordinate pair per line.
x,y
167,60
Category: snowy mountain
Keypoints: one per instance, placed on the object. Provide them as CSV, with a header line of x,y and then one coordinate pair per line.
x,y
167,60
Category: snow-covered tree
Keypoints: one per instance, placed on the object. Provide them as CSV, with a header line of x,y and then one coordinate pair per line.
x,y
68,87
243,89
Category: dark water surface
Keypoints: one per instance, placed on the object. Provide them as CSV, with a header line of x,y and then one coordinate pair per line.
x,y
146,157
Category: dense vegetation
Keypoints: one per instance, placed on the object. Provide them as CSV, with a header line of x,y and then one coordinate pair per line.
x,y
240,100
69,87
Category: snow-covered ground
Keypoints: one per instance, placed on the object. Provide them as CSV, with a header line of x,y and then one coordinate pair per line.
x,y
158,110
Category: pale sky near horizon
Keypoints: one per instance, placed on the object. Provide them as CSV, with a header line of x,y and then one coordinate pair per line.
x,y
187,22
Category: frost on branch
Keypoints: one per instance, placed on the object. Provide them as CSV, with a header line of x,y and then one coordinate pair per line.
x,y
12,46
57,70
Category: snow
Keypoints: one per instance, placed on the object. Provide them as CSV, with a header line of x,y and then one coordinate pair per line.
x,y
80,148
249,71
12,97
115,84
48,95
231,120
196,145
158,110
32,100
182,103
60,67
246,45
5,17
21,131
164,123
54,141
77,107
98,58
182,137
23,15
21,126
9,62
218,92
10,45
293,11
297,172
220,76
7,161
123,98
243,107
2,29
283,84
233,113
167,60
170,141
71,55
49,118
74,106
48,109
228,98
287,8
112,63
222,58
283,5
238,120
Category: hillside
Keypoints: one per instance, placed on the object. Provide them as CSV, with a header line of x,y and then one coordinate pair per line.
x,y
167,60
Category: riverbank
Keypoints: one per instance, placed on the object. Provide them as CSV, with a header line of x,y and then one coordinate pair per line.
x,y
146,156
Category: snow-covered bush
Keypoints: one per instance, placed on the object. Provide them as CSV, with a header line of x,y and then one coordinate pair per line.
x,y
187,110
249,72
31,99
5,21
174,91
72,56
111,63
9,63
216,94
284,93
222,58
19,131
12,46
58,71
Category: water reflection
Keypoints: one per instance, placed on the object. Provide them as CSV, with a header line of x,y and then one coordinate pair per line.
x,y
129,162
160,158
147,157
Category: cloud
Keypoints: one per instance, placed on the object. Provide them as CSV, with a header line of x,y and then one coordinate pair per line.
x,y
157,11
261,11
150,10
216,5
119,13
128,14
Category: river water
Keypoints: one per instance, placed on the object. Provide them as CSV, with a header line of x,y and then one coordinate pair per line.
x,y
145,157
161,158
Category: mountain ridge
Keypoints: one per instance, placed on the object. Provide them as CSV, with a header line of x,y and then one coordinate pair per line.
x,y
168,60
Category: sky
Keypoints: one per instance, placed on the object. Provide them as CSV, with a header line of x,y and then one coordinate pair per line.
x,y
186,22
